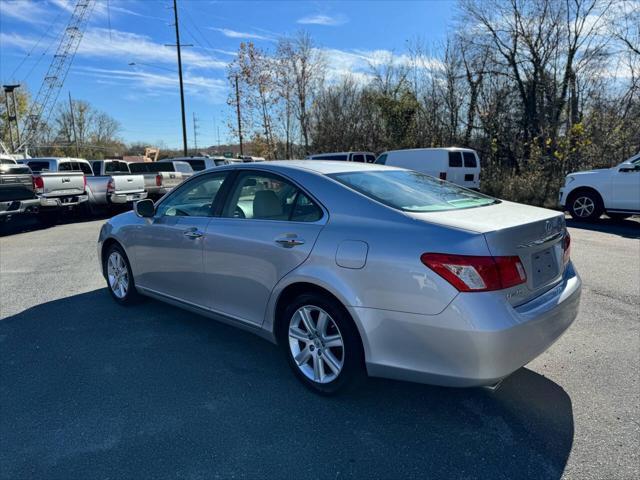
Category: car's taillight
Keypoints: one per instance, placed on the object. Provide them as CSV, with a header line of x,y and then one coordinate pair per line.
x,y
566,248
476,274
84,181
38,184
110,186
158,180
443,175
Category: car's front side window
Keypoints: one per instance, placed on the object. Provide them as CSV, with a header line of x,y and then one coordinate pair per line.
x,y
194,199
264,196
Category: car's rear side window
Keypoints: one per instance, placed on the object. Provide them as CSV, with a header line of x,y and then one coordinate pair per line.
x,y
382,159
371,158
197,165
469,159
455,159
357,157
411,191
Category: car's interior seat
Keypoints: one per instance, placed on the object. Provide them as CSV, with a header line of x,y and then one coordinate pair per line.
x,y
267,205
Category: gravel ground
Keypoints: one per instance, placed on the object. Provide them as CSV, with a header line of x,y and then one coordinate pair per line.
x,y
89,389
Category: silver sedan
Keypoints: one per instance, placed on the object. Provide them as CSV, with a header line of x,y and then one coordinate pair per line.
x,y
354,269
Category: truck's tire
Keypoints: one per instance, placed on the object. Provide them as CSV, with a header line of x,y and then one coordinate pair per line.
x,y
585,205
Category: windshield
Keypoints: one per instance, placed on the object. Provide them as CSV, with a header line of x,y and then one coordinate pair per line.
x,y
412,191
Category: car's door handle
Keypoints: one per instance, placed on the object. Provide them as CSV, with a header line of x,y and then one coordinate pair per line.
x,y
289,242
192,233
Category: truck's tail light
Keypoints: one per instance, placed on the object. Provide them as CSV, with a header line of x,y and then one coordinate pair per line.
x,y
158,180
38,184
443,175
84,181
476,274
110,186
566,248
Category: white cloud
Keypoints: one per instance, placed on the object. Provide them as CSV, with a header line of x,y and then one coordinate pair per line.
x,y
213,90
125,47
26,11
243,35
326,20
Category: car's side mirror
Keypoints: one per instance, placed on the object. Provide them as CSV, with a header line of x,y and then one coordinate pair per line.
x,y
628,167
145,208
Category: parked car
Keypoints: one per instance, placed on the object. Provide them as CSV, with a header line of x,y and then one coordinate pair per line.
x,y
110,183
614,191
354,268
361,157
159,178
178,166
457,165
59,183
201,163
17,191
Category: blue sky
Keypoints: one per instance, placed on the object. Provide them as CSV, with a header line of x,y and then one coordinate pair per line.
x,y
144,97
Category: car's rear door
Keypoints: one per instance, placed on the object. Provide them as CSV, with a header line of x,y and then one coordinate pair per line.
x,y
169,247
267,228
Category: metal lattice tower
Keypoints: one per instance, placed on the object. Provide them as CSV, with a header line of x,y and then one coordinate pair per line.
x,y
47,96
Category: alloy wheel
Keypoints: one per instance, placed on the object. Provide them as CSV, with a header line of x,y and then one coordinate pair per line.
x,y
118,275
316,344
583,206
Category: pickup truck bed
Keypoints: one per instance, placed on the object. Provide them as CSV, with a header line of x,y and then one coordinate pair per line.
x,y
157,179
60,189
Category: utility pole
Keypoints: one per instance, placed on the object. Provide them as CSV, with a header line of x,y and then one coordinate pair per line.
x,y
195,133
73,126
12,116
184,120
239,121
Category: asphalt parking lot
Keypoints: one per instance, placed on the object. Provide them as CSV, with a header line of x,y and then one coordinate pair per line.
x,y
89,389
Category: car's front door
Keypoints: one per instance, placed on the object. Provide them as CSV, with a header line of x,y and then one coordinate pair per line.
x,y
169,247
267,228
625,192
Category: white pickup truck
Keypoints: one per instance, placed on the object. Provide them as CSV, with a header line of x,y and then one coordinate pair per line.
x,y
160,178
59,182
110,183
614,191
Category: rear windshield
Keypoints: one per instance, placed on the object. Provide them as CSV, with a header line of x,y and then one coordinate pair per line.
x,y
412,191
116,167
139,167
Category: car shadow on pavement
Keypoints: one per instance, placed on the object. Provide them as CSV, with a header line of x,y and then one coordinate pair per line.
x,y
31,222
629,228
91,389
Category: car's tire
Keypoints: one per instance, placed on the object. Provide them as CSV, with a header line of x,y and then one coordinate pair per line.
x,y
585,205
329,360
618,217
117,273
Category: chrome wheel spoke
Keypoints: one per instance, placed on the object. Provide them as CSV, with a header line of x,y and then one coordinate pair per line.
x,y
117,275
303,356
306,319
332,341
318,369
321,324
297,334
332,361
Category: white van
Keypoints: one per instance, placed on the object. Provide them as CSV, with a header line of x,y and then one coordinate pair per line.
x,y
457,165
363,157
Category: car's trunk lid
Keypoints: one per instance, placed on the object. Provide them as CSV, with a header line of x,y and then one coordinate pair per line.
x,y
533,234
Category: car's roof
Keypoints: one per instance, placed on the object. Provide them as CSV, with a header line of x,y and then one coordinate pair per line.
x,y
323,167
434,149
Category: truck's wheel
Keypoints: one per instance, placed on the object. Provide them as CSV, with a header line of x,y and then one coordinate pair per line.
x,y
585,206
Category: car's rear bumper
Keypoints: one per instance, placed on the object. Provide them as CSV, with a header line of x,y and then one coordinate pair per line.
x,y
122,198
477,340
16,207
